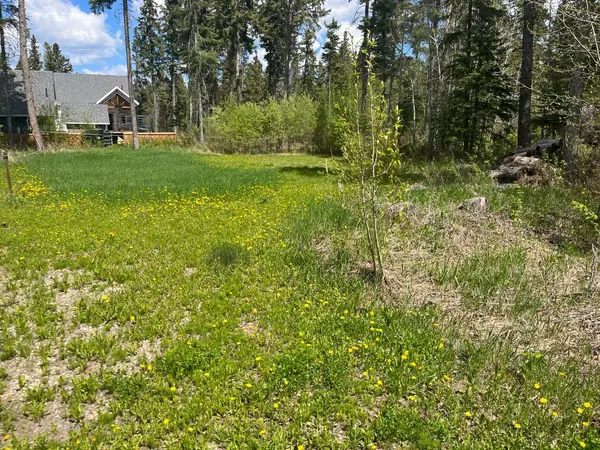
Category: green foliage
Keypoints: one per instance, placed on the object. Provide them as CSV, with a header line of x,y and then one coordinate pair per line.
x,y
54,60
370,147
286,125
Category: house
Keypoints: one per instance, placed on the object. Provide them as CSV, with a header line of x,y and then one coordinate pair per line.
x,y
66,101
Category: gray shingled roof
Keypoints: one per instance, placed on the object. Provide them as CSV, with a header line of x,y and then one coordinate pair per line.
x,y
77,94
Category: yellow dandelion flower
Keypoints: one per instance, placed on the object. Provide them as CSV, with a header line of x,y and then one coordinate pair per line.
x,y
206,374
404,357
275,405
580,410
379,383
149,367
586,424
468,414
6,437
536,385
262,432
132,318
543,400
446,377
441,345
166,421
587,405
258,358
173,388
190,429
554,414
582,444
373,447
517,426
301,447
248,385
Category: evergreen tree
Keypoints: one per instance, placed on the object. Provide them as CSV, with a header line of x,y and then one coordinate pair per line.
x,y
255,85
309,64
35,62
482,92
149,55
281,23
54,60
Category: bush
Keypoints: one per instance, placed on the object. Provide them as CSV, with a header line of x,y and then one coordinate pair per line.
x,y
275,126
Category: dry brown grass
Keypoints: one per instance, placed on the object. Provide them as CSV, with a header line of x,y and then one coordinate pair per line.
x,y
563,319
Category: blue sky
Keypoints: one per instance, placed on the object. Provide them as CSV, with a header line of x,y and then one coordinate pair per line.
x,y
95,43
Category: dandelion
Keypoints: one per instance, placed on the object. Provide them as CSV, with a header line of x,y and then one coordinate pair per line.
x,y
166,421
536,385
190,429
275,405
301,447
285,381
248,385
554,414
441,346
206,374
582,444
587,405
258,358
586,424
149,367
262,432
373,447
518,426
379,383
132,318
173,388
6,437
468,414
412,398
579,410
446,377
543,400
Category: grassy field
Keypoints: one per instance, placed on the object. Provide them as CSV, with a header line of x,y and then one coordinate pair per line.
x,y
165,299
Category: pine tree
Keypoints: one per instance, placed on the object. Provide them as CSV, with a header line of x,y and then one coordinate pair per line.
x,y
54,60
7,22
255,85
281,22
309,64
149,55
482,92
35,62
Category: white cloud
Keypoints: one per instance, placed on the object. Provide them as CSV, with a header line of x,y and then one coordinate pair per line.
x,y
118,69
349,15
83,37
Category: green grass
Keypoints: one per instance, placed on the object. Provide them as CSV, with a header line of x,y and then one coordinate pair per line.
x,y
226,312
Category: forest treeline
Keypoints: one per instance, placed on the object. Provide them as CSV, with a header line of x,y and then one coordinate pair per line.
x,y
464,78
470,78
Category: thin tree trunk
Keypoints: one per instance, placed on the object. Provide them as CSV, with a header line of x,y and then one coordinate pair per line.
x,y
288,52
173,100
401,74
573,121
390,96
27,77
467,119
238,77
526,75
5,81
364,58
414,108
200,115
134,124
154,105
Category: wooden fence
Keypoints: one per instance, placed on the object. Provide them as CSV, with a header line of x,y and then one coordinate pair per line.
x,y
80,139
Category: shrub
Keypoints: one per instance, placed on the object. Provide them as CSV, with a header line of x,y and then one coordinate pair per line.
x,y
274,126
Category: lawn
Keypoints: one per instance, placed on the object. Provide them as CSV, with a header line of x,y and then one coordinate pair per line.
x,y
165,299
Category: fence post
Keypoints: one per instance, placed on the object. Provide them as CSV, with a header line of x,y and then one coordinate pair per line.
x,y
5,158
